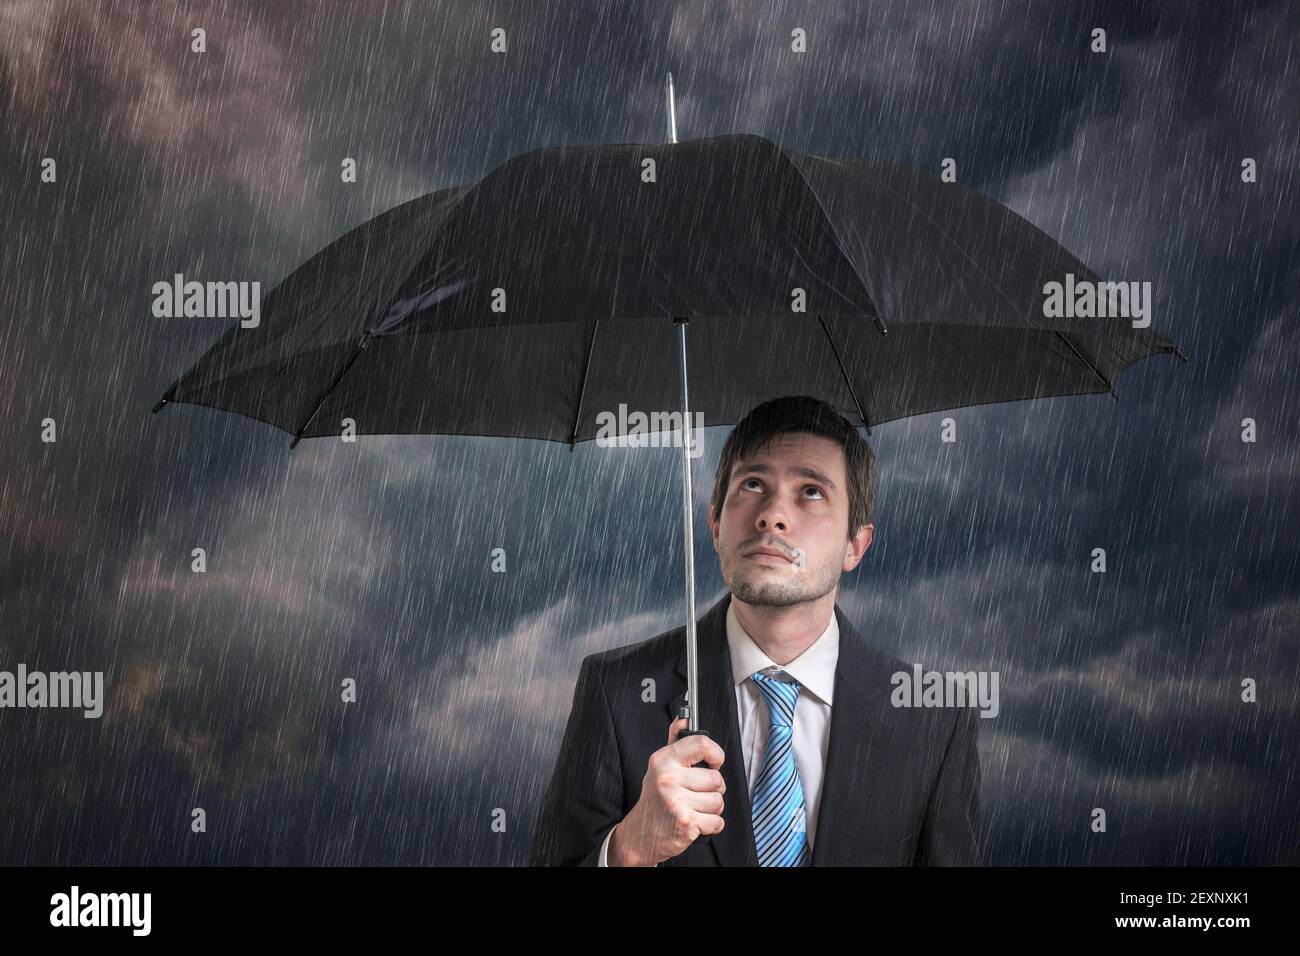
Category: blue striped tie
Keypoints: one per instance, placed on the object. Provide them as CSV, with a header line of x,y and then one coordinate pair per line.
x,y
779,830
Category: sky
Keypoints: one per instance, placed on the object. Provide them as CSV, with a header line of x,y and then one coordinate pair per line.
x,y
371,560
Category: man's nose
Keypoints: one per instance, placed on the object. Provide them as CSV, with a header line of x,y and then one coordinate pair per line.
x,y
772,519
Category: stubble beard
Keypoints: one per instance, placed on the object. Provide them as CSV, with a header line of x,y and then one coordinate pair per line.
x,y
768,590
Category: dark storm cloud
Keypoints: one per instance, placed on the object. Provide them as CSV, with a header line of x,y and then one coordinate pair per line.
x,y
372,561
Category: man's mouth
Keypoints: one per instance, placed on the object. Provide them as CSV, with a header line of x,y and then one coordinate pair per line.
x,y
769,556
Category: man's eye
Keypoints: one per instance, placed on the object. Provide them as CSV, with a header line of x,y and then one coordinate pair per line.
x,y
754,481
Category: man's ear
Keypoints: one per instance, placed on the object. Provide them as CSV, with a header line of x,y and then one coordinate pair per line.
x,y
857,546
715,527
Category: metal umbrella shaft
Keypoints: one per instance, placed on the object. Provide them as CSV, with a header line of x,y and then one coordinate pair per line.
x,y
688,524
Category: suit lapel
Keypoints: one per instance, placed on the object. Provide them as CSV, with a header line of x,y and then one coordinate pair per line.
x,y
855,772
734,846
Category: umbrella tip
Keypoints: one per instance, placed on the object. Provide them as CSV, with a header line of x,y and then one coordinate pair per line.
x,y
166,397
1181,357
671,108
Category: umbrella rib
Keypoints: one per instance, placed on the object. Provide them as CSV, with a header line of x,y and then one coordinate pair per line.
x,y
361,345
975,265
951,241
1084,359
844,372
989,279
839,243
582,389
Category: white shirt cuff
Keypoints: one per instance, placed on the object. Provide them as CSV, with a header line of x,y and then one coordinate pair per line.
x,y
604,847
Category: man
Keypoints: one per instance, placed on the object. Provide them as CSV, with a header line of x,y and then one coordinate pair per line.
x,y
808,761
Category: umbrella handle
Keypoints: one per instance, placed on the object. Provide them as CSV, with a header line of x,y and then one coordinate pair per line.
x,y
692,733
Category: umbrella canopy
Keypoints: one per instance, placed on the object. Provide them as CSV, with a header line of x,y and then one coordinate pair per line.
x,y
526,303
561,285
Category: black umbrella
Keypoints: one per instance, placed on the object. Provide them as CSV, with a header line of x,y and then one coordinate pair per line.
x,y
562,284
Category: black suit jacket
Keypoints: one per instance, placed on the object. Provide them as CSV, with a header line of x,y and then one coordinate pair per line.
x,y
900,786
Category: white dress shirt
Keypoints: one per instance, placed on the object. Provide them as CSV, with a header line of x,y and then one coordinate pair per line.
x,y
814,669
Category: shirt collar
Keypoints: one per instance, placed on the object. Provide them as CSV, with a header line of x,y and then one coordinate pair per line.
x,y
814,669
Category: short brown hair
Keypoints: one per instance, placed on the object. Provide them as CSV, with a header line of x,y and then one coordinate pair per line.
x,y
802,413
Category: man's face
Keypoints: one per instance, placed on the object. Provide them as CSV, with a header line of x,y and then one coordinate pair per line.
x,y
791,497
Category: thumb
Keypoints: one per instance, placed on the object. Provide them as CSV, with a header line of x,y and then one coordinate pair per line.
x,y
676,727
